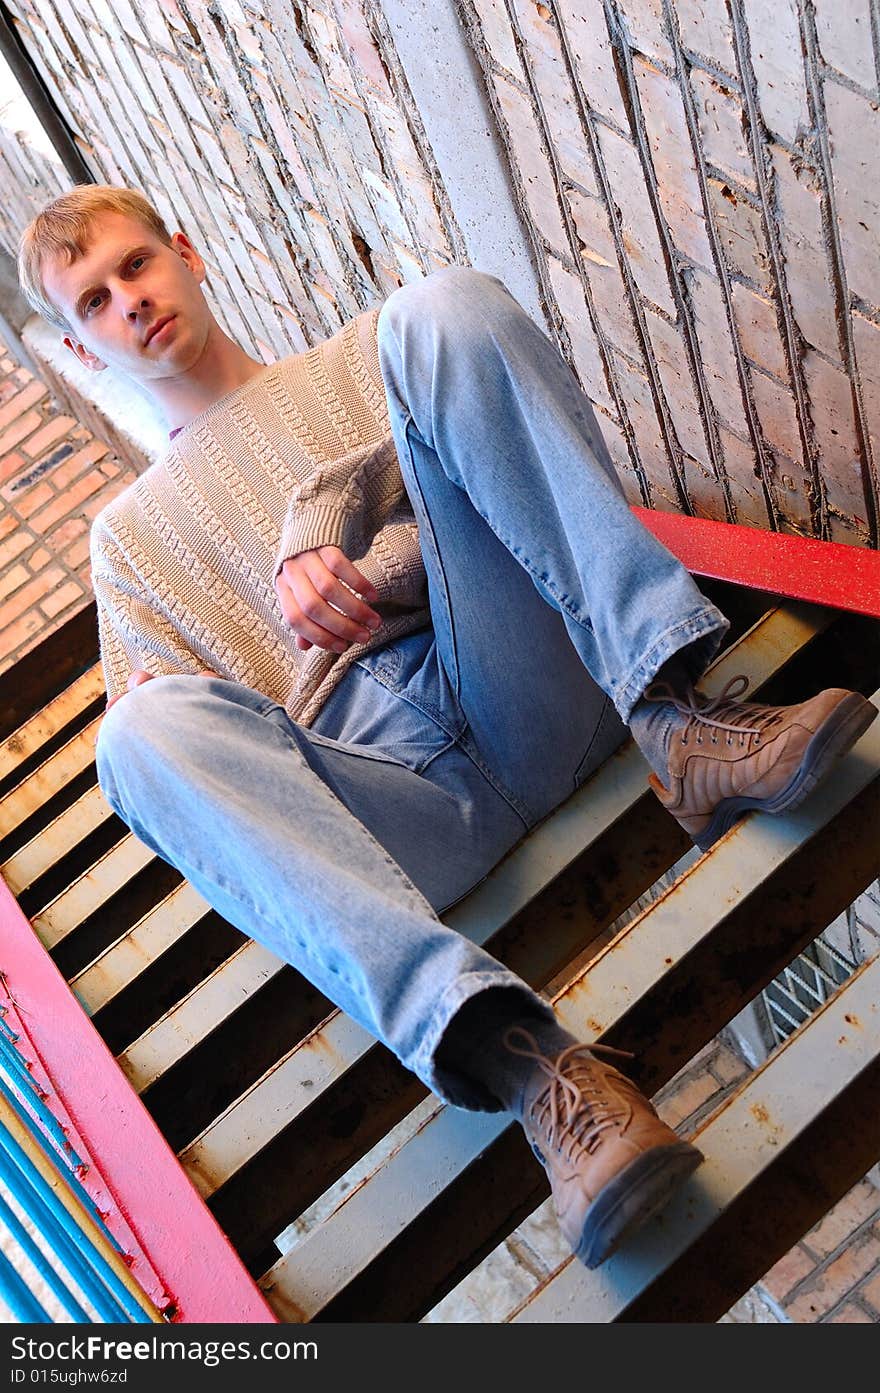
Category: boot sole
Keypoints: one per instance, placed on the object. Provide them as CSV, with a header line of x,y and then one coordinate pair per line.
x,y
834,738
643,1188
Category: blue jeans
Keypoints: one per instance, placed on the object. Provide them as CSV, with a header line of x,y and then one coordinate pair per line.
x,y
552,608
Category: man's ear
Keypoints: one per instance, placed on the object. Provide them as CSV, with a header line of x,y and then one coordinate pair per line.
x,y
185,249
79,350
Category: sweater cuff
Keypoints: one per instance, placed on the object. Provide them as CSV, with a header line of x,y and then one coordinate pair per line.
x,y
322,525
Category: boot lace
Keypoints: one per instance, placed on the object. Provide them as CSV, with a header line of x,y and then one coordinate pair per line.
x,y
575,1108
723,713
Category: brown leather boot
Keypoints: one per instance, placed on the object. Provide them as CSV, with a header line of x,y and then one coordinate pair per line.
x,y
612,1163
728,756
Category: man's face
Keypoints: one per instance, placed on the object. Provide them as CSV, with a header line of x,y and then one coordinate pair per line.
x,y
133,302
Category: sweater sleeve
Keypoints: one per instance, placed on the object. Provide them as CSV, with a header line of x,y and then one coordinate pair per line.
x,y
345,503
133,631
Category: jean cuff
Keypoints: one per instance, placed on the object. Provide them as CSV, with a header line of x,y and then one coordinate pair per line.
x,y
696,639
447,1084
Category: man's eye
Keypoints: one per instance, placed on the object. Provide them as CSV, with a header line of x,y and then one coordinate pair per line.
x,y
136,263
94,303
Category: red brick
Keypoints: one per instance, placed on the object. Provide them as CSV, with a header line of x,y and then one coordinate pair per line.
x,y
851,1314
38,559
832,414
22,427
716,350
705,28
52,432
758,330
68,501
807,269
639,227
719,118
30,594
869,1291
14,546
536,175
831,1284
599,257
787,1272
691,1095
855,184
18,633
10,580
844,33
585,350
644,23
775,406
18,405
68,532
33,499
77,462
61,598
76,554
11,465
778,64
861,1205
673,159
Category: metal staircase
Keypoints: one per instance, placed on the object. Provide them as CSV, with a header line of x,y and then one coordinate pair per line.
x,y
267,1095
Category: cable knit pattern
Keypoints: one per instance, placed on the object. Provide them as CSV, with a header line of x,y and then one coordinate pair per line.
x,y
183,561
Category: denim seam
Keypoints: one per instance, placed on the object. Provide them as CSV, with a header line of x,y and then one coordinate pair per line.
x,y
426,538
470,1095
702,624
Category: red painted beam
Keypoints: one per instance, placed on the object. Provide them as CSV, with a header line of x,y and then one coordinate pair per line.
x,y
825,573
203,1277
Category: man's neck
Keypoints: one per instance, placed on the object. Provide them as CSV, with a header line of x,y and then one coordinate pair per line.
x,y
222,368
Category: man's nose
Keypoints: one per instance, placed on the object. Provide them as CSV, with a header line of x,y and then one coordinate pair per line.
x,y
134,305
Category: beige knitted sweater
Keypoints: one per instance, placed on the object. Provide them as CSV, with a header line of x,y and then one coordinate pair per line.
x,y
301,456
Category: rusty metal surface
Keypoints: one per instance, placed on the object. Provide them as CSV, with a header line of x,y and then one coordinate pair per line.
x,y
523,876
134,951
65,832
36,732
282,1094
51,776
69,909
760,1128
652,990
200,1012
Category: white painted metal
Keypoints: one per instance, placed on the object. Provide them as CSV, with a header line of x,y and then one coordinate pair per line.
x,y
51,776
66,831
273,1101
133,952
533,864
640,955
58,713
739,1143
69,909
200,1012
619,783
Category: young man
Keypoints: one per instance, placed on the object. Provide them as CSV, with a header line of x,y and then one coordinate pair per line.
x,y
380,609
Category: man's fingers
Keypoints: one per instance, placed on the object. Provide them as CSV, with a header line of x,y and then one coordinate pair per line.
x,y
331,588
135,679
337,562
312,617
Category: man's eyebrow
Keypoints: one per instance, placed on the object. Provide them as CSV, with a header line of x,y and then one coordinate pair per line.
x,y
89,290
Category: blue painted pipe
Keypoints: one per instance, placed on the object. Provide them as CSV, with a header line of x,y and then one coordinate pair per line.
x,y
34,1252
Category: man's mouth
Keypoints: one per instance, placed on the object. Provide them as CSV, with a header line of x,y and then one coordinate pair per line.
x,y
156,328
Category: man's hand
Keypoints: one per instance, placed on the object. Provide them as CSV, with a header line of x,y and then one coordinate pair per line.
x,y
319,607
138,677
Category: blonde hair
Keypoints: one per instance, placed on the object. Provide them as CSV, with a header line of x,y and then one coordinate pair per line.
x,y
63,227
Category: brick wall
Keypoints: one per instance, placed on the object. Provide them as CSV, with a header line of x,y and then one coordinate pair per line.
x,y
700,182
54,478
698,179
